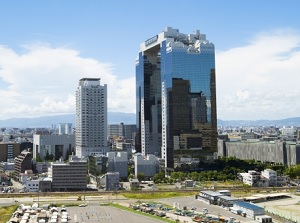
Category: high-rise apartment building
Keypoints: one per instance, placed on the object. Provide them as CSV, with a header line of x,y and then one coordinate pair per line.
x,y
176,96
91,117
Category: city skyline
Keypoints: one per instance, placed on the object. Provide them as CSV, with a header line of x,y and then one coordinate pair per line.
x,y
45,48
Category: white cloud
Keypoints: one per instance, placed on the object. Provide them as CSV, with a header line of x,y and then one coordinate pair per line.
x,y
260,80
43,81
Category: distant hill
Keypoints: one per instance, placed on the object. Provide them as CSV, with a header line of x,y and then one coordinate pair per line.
x,y
129,118
281,122
49,121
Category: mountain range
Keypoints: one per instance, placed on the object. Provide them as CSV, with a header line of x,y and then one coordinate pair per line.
x,y
130,118
51,121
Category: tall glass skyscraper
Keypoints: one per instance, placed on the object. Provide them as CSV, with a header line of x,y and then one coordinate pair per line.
x,y
176,96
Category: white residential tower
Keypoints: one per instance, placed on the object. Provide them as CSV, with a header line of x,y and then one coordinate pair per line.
x,y
91,117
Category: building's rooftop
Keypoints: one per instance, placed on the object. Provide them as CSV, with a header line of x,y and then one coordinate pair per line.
x,y
247,205
211,193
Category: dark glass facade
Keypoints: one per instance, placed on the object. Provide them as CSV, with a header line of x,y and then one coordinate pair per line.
x,y
176,96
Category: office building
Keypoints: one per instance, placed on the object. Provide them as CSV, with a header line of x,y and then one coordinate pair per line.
x,y
118,162
176,96
65,129
55,145
23,162
121,130
9,150
91,117
148,165
277,152
97,165
69,176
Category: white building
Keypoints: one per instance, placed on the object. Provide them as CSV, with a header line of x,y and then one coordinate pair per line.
x,y
285,131
248,210
271,175
65,129
254,178
148,165
266,178
91,117
57,145
125,147
31,185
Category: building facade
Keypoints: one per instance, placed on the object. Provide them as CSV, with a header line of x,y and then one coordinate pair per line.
x,y
117,162
277,152
23,162
56,145
148,165
176,95
91,117
112,181
9,150
69,176
65,129
121,130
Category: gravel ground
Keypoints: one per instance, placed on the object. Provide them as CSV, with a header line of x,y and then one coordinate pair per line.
x,y
288,207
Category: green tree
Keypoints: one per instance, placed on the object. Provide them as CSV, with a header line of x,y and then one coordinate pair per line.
x,y
159,177
130,176
141,176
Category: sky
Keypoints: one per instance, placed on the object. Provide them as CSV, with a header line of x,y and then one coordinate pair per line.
x,y
47,46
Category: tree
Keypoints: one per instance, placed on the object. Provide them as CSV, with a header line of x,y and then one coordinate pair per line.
x,y
141,176
159,177
38,158
130,176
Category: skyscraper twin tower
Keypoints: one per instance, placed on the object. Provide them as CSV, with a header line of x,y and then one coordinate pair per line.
x,y
175,100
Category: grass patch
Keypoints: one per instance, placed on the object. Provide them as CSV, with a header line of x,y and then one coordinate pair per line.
x,y
6,212
141,213
158,195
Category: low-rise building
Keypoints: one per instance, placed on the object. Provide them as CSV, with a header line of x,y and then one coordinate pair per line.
x,y
209,197
271,175
45,184
134,183
266,178
27,175
248,210
69,176
112,181
148,165
56,145
253,178
32,185
117,162
6,166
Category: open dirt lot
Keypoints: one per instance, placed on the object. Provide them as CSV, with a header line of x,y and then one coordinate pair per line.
x,y
288,207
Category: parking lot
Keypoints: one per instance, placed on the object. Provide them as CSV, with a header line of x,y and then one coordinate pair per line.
x,y
94,213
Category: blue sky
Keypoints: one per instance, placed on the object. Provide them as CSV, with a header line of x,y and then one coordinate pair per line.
x,y
47,46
